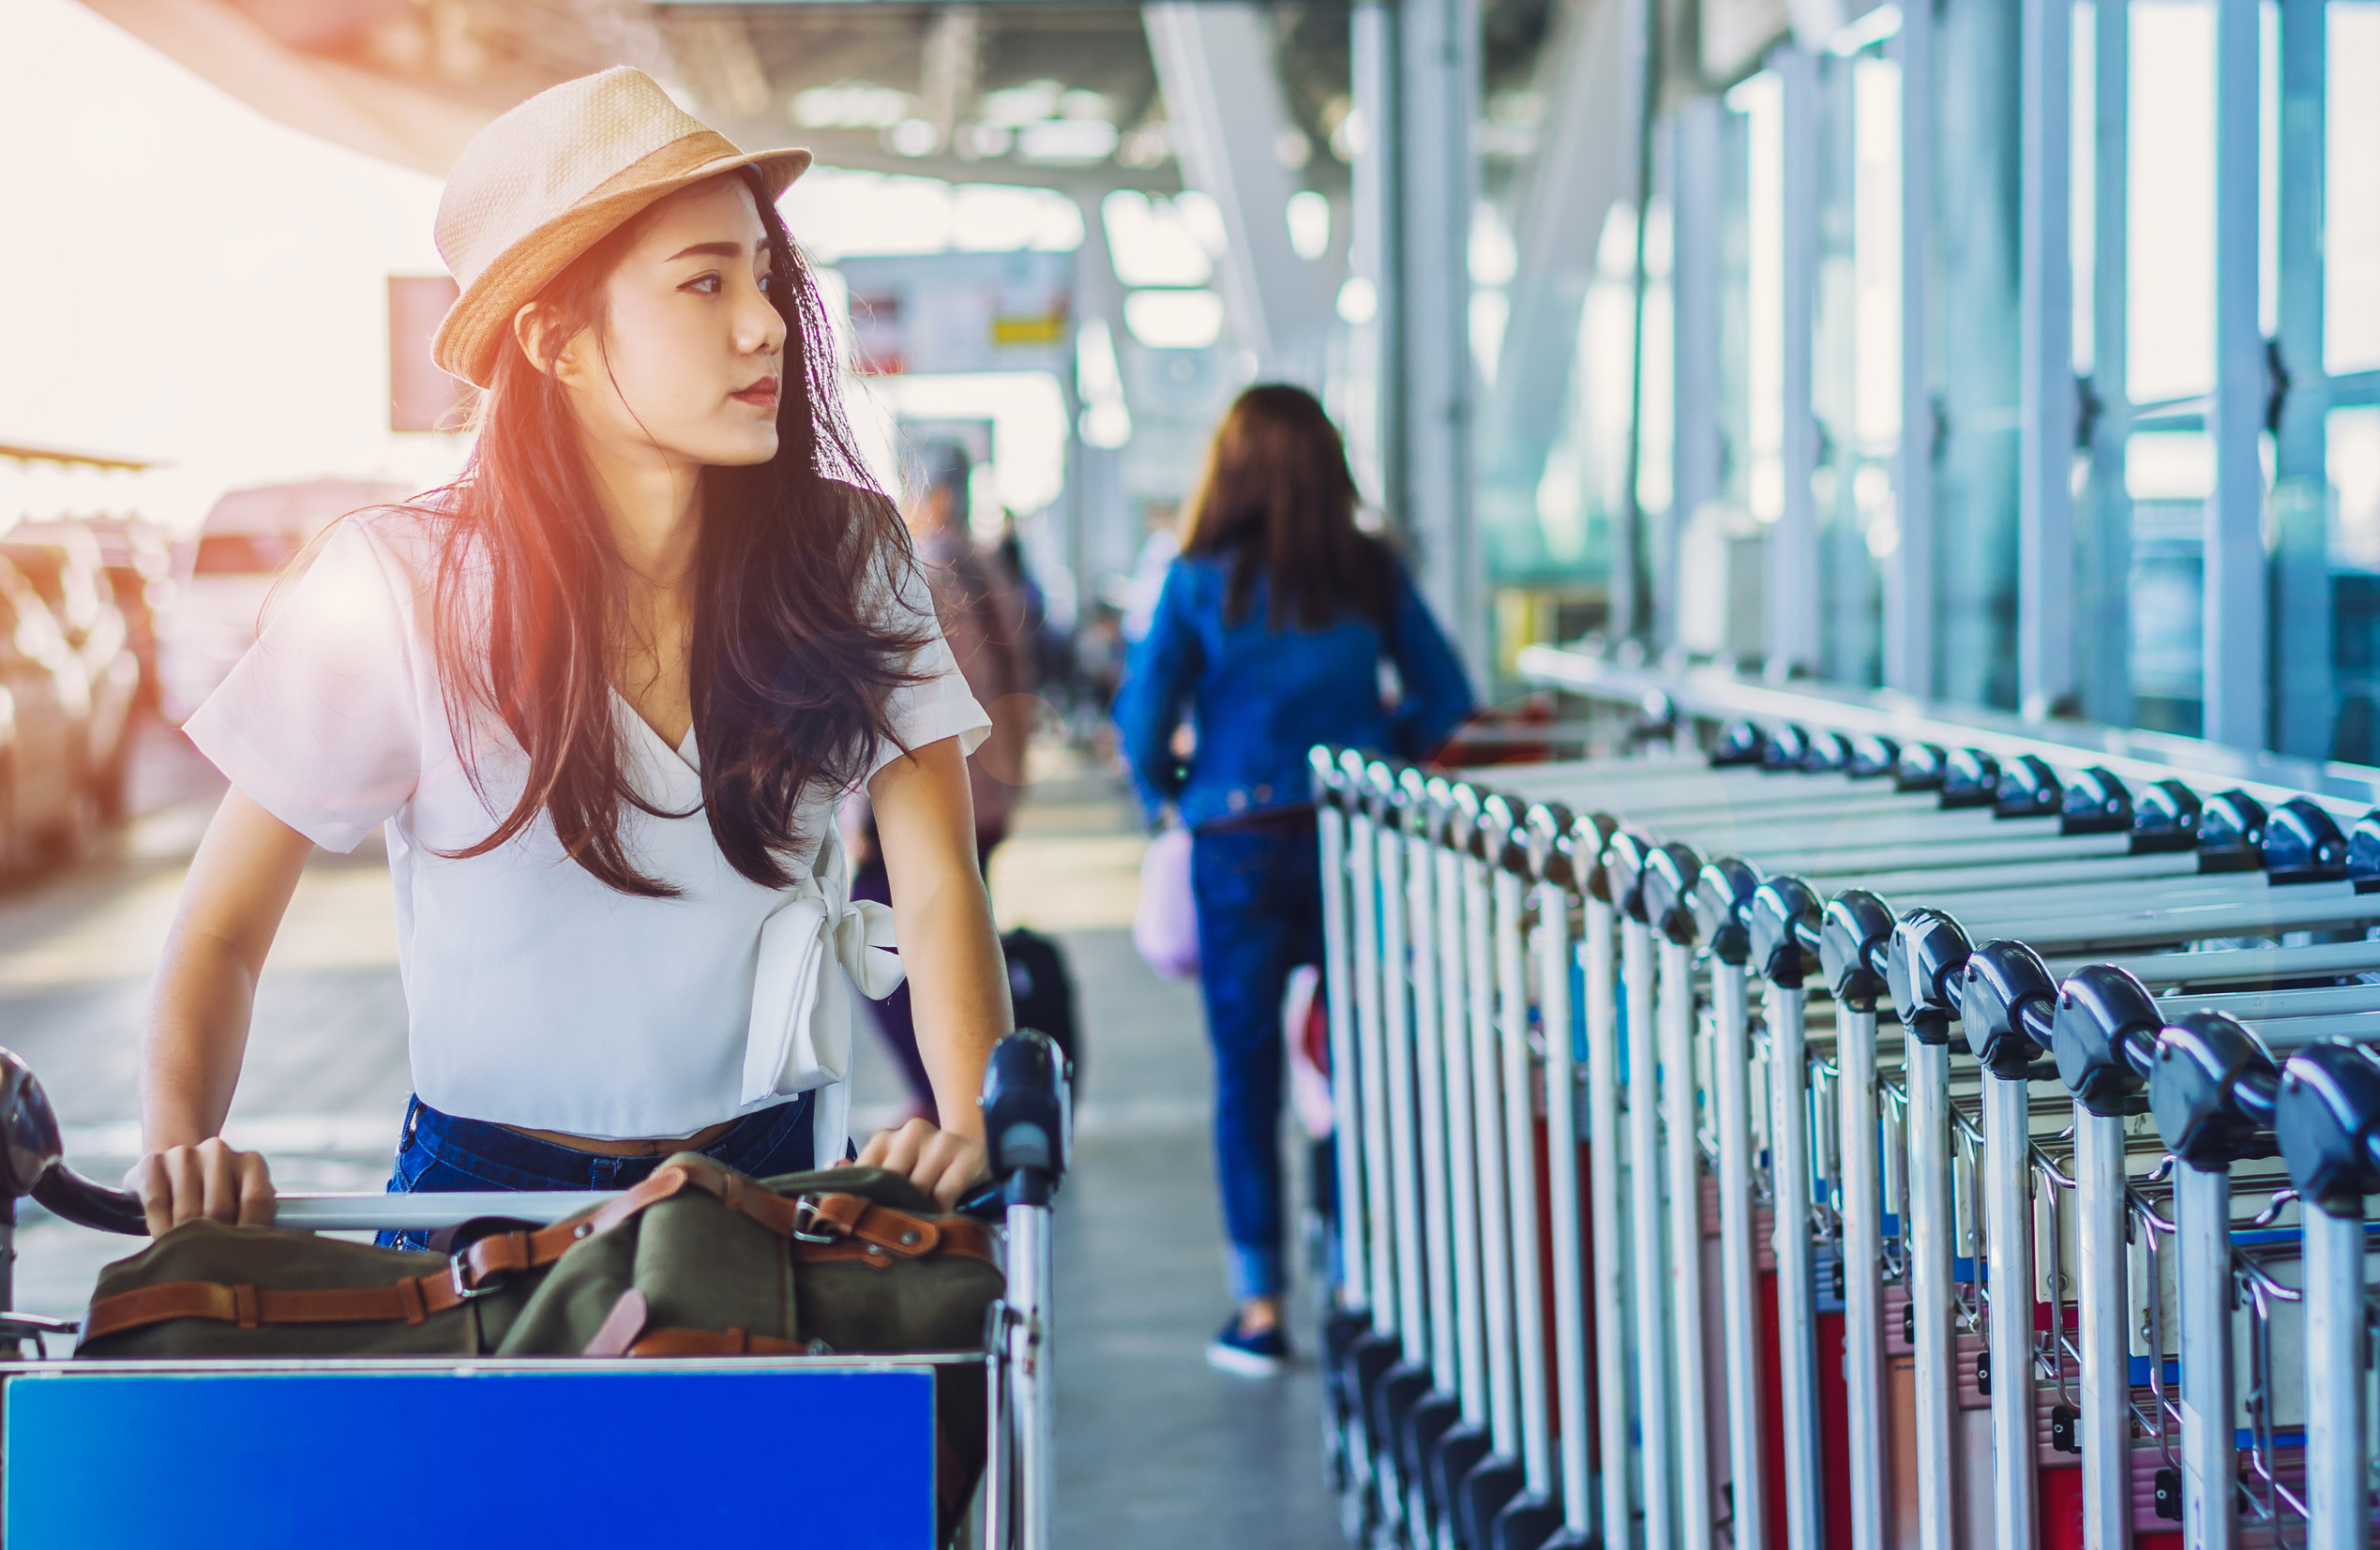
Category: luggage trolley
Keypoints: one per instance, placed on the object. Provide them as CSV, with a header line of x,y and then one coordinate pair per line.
x,y
262,1453
2101,846
2003,996
1847,944
2220,1103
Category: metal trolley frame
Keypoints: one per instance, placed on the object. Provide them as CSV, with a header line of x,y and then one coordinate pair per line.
x,y
262,1454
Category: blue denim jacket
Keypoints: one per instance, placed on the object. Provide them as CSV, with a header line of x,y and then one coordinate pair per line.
x,y
1261,697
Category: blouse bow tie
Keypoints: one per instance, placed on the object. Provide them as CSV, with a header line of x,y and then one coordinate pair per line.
x,y
799,1037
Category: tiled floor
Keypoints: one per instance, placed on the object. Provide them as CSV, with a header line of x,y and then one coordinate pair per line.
x,y
1155,1449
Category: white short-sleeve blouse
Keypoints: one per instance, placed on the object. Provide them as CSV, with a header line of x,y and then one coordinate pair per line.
x,y
535,995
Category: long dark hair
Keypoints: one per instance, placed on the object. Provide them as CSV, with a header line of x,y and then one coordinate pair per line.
x,y
791,662
1278,500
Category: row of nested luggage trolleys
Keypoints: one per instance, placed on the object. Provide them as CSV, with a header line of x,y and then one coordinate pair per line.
x,y
1826,1145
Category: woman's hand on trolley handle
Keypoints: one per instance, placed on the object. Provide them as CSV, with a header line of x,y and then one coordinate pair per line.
x,y
213,1178
942,1163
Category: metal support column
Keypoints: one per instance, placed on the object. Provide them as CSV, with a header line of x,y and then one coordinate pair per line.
x,y
2045,416
1372,1073
1613,1422
1488,1135
2202,1224
1792,569
1413,1318
2302,679
2008,1238
1437,49
1796,1312
1909,592
1558,956
1696,450
1462,1145
1533,1439
1429,1068
1861,1207
1649,1286
2100,1288
1739,1260
1346,1157
2234,655
2337,1489
1215,63
1683,1161
1933,1262
2105,622
1378,86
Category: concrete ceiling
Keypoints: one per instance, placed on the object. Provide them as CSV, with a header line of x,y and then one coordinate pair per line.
x,y
411,81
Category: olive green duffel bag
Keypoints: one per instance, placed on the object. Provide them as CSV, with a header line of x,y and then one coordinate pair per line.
x,y
697,1261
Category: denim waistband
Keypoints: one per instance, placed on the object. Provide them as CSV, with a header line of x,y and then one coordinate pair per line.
x,y
443,1151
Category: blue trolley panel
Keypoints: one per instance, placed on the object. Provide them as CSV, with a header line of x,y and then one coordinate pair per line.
x,y
265,1461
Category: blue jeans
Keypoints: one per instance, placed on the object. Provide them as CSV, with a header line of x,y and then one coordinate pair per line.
x,y
439,1154
1259,887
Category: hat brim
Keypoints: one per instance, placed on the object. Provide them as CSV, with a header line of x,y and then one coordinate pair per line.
x,y
471,338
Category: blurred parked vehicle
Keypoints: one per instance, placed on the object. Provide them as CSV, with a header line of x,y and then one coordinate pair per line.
x,y
139,566
45,705
224,575
62,562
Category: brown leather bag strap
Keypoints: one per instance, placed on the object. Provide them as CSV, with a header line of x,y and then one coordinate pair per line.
x,y
825,1227
730,1342
408,1301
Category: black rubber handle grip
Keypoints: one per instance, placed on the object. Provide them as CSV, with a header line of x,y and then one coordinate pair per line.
x,y
70,1197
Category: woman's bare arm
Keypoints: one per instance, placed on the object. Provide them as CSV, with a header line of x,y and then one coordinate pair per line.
x,y
958,985
238,887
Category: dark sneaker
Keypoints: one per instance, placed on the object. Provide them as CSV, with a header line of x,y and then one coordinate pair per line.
x,y
1236,1350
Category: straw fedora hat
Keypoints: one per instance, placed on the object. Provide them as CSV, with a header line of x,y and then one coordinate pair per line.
x,y
554,176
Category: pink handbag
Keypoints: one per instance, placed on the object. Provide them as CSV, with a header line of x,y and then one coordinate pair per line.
x,y
1164,928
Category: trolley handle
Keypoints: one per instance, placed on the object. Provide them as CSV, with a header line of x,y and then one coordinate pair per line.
x,y
2104,1036
1783,928
1926,967
2007,1004
1854,947
32,1159
71,1198
2328,1120
1028,1119
2213,1087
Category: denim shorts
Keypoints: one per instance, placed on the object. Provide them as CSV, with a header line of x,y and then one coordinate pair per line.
x,y
438,1152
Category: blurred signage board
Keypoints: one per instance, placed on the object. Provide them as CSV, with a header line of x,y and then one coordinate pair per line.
x,y
421,397
918,314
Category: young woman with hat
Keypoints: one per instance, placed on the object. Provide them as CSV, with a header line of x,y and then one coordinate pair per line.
x,y
603,693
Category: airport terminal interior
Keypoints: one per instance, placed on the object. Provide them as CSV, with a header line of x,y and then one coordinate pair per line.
x,y
1900,478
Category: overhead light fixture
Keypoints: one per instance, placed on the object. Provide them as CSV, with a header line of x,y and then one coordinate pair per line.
x,y
1174,320
850,105
1309,216
979,140
1077,140
912,137
1018,106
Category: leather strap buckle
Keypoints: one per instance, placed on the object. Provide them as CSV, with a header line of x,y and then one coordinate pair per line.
x,y
465,1290
806,1217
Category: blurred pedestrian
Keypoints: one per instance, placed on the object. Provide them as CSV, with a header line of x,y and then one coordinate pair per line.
x,y
983,618
1270,634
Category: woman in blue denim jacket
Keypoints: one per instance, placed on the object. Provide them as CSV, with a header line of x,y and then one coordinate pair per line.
x,y
1269,635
